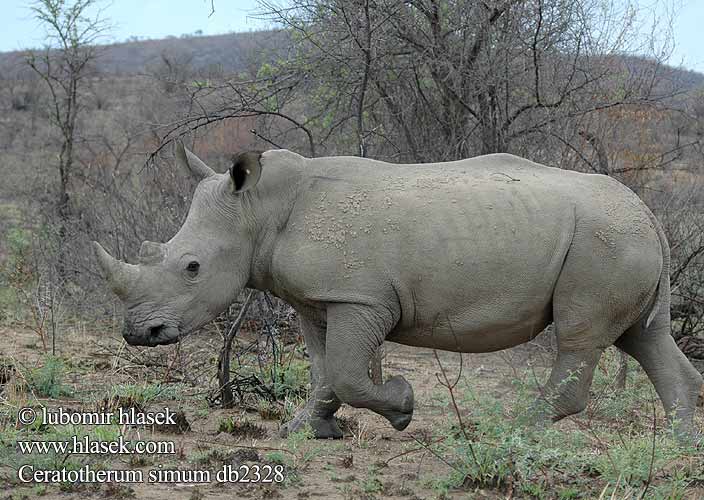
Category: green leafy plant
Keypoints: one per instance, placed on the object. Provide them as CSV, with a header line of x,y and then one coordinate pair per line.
x,y
48,380
241,428
276,457
147,392
372,483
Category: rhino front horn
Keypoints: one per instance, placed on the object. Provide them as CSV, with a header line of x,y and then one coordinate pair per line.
x,y
120,275
197,166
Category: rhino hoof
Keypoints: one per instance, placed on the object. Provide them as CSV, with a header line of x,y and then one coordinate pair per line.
x,y
322,428
400,419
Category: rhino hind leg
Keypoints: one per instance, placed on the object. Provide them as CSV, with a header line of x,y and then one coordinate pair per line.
x,y
584,329
319,411
567,390
354,334
676,381
601,292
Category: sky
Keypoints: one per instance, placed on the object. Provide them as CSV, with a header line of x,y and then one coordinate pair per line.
x,y
140,18
161,18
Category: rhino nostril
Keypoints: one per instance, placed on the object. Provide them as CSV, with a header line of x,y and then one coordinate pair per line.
x,y
155,331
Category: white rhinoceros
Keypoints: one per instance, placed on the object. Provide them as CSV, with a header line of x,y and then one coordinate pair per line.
x,y
469,256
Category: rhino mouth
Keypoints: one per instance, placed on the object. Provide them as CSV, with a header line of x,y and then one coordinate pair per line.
x,y
155,335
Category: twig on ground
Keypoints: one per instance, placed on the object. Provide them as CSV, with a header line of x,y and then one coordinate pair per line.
x,y
224,361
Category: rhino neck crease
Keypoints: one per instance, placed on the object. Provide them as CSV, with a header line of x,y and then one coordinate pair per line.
x,y
271,204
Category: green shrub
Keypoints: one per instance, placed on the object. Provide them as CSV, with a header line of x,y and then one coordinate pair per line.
x,y
15,271
145,393
498,450
630,458
241,428
48,380
18,241
276,457
276,380
288,380
372,483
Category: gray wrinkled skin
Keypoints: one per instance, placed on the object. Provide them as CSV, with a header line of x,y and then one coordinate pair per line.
x,y
469,256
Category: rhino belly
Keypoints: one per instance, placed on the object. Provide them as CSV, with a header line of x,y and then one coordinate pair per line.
x,y
472,331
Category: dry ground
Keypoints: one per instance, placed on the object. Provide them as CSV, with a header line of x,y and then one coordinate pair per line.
x,y
372,461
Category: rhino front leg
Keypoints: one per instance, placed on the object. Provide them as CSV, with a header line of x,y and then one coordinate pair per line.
x,y
354,334
319,411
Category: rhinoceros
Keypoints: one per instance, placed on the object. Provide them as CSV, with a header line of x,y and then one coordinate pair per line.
x,y
469,256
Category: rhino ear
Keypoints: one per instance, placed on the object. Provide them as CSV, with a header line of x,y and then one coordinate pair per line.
x,y
246,170
197,166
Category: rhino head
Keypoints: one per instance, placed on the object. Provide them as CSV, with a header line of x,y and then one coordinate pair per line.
x,y
180,285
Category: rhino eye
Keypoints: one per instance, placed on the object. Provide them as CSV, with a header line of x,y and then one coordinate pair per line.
x,y
193,267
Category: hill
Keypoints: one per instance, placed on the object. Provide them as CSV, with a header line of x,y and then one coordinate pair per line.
x,y
229,53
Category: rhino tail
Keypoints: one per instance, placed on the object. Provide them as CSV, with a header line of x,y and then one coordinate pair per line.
x,y
662,301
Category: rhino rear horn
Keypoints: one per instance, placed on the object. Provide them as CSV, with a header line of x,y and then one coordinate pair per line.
x,y
151,253
187,159
120,275
246,170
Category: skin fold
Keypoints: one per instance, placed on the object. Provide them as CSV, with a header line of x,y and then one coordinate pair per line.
x,y
475,255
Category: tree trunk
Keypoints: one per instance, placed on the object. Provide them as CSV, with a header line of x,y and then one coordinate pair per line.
x,y
491,134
